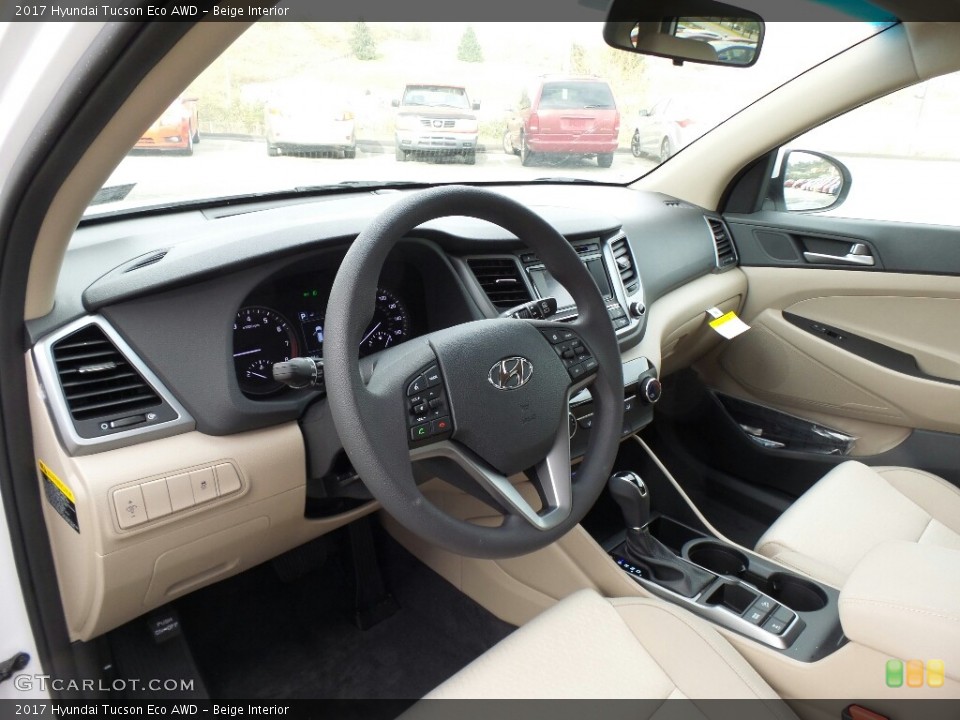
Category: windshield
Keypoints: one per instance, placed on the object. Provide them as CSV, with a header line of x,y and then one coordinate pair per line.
x,y
299,106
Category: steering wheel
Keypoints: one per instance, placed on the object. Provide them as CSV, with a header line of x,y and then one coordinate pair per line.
x,y
490,395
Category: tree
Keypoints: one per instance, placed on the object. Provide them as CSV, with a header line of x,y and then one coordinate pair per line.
x,y
470,50
362,43
578,60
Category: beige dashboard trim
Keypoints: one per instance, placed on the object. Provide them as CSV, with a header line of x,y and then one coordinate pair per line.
x,y
108,575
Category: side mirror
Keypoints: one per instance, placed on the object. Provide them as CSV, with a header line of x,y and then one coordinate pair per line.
x,y
476,106
811,181
701,31
394,103
645,112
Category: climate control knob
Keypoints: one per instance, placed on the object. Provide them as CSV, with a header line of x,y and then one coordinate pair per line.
x,y
651,390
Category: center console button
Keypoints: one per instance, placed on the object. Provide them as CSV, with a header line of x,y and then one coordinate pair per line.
x,y
755,615
766,603
775,626
785,615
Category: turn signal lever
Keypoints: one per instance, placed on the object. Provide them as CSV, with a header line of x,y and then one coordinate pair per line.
x,y
302,372
660,563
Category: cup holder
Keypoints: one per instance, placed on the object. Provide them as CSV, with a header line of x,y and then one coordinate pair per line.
x,y
796,593
717,558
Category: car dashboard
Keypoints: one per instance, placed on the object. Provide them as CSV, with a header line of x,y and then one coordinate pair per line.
x,y
153,399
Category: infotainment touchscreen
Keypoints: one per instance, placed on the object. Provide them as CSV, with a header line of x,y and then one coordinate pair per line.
x,y
547,286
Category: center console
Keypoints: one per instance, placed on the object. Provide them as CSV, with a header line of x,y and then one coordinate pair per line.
x,y
721,583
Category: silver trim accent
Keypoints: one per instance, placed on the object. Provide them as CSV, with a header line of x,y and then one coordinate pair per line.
x,y
858,254
504,372
723,616
46,367
553,473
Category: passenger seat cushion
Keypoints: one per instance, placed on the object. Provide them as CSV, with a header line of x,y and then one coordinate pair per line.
x,y
853,509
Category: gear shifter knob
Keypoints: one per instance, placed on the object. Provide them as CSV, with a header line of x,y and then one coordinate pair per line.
x,y
631,494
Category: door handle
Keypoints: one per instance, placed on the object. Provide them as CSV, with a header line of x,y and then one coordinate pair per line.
x,y
858,254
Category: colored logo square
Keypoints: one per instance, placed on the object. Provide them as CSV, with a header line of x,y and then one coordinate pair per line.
x,y
935,673
914,673
894,673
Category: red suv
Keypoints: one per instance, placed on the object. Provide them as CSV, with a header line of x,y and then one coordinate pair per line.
x,y
565,115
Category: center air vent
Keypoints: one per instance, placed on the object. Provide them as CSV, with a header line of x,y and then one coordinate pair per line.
x,y
501,280
625,265
726,254
97,380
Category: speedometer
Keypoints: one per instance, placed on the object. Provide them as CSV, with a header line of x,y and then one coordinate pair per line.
x,y
390,324
261,337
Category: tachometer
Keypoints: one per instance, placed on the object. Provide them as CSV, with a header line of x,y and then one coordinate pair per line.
x,y
390,324
261,337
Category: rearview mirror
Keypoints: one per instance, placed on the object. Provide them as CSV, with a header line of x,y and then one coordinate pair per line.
x,y
701,31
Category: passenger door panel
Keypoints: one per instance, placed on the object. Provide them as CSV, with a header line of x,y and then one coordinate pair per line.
x,y
871,350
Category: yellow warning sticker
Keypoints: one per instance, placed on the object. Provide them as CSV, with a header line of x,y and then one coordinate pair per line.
x,y
52,477
59,495
729,325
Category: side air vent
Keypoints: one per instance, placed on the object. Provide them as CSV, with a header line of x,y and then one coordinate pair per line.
x,y
625,265
146,260
501,280
97,380
726,255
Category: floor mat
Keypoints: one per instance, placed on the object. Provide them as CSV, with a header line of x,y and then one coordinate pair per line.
x,y
256,637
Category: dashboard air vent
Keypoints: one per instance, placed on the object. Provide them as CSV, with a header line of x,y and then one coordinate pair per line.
x,y
625,264
97,380
726,255
501,280
148,259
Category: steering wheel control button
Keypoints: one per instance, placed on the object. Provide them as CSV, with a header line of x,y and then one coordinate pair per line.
x,y
554,336
432,376
576,371
156,498
130,508
417,385
420,432
429,418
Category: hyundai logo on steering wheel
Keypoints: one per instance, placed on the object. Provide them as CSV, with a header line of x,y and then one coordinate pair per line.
x,y
510,373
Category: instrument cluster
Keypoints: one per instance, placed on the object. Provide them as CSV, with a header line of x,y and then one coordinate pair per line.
x,y
285,320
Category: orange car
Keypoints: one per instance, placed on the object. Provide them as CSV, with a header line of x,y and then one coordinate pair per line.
x,y
177,129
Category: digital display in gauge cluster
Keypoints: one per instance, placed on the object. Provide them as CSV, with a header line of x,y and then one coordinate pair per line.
x,y
263,333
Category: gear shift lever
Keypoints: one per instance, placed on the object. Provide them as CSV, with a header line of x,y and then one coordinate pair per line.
x,y
633,498
661,564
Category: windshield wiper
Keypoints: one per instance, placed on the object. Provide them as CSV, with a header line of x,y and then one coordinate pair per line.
x,y
113,193
358,184
563,179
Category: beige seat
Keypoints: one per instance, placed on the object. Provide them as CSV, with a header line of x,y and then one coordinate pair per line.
x,y
589,647
854,508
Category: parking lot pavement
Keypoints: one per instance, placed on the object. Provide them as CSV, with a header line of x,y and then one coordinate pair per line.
x,y
223,166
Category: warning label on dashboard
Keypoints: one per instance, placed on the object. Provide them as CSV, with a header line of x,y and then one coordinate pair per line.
x,y
59,496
